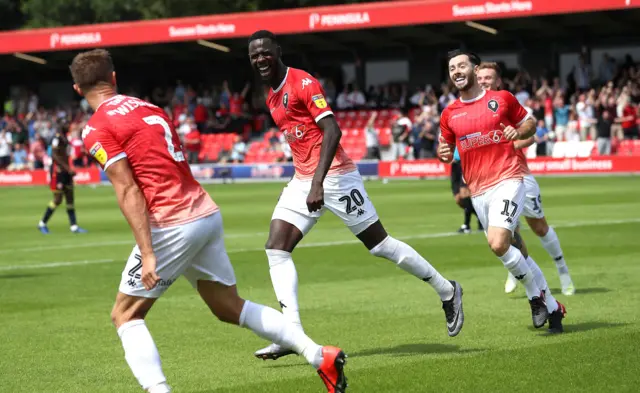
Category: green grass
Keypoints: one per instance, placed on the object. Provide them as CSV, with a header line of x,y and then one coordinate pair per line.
x,y
57,337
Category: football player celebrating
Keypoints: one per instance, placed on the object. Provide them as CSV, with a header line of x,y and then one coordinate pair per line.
x,y
489,77
325,179
483,124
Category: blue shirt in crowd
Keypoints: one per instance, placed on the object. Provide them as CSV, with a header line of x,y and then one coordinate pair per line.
x,y
562,115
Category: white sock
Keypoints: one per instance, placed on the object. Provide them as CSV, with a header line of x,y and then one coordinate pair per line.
x,y
410,261
285,283
552,305
516,264
271,325
551,243
141,353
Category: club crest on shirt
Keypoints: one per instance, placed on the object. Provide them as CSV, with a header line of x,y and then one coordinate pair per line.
x,y
493,106
99,153
319,100
285,100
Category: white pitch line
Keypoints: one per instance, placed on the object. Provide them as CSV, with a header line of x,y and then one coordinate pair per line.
x,y
55,264
109,243
317,244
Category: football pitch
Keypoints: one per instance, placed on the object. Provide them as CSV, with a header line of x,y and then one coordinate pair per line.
x,y
56,294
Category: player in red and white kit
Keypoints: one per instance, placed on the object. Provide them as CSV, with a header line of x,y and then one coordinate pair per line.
x,y
325,179
489,77
483,124
177,227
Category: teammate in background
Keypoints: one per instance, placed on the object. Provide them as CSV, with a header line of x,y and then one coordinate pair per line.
x,y
483,124
325,179
462,195
61,182
177,227
489,77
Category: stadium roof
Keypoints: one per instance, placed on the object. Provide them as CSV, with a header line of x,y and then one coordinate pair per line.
x,y
293,21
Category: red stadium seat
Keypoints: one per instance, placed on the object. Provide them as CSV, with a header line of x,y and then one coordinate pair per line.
x,y
384,136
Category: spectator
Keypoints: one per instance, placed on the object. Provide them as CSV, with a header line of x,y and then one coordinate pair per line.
x,y
522,95
200,114
586,115
627,118
541,138
373,146
77,148
236,100
330,91
192,144
604,132
425,145
373,97
607,69
573,128
19,158
356,98
225,95
238,151
582,75
5,149
342,102
400,131
37,152
561,114
179,93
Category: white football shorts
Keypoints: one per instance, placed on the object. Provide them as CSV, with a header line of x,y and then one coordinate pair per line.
x,y
501,205
194,250
533,200
344,195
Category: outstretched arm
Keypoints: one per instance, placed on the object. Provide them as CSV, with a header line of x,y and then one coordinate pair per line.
x,y
134,209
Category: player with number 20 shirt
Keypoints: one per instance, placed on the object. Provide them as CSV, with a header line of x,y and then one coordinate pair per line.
x,y
325,179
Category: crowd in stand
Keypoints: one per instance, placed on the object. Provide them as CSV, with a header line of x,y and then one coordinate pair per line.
x,y
219,124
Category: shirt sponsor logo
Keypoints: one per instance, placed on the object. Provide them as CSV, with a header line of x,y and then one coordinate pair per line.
x,y
99,153
61,40
319,100
295,133
329,20
476,139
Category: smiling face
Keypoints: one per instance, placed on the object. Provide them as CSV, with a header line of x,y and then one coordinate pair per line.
x,y
488,79
264,55
462,72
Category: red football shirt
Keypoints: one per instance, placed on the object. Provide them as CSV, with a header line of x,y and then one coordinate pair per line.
x,y
127,127
296,106
474,127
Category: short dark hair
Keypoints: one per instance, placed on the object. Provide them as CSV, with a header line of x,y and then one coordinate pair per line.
x,y
261,34
473,58
91,68
491,65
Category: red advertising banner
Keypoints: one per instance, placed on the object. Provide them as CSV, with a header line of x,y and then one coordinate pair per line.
x,y
419,168
301,20
539,166
40,177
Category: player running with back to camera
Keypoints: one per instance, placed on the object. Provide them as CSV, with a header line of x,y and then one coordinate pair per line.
x,y
482,125
489,77
61,182
461,194
176,225
325,179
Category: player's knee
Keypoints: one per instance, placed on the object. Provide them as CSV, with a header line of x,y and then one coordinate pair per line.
x,y
499,243
539,227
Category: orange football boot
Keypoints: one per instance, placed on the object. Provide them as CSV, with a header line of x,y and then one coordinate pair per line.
x,y
332,369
